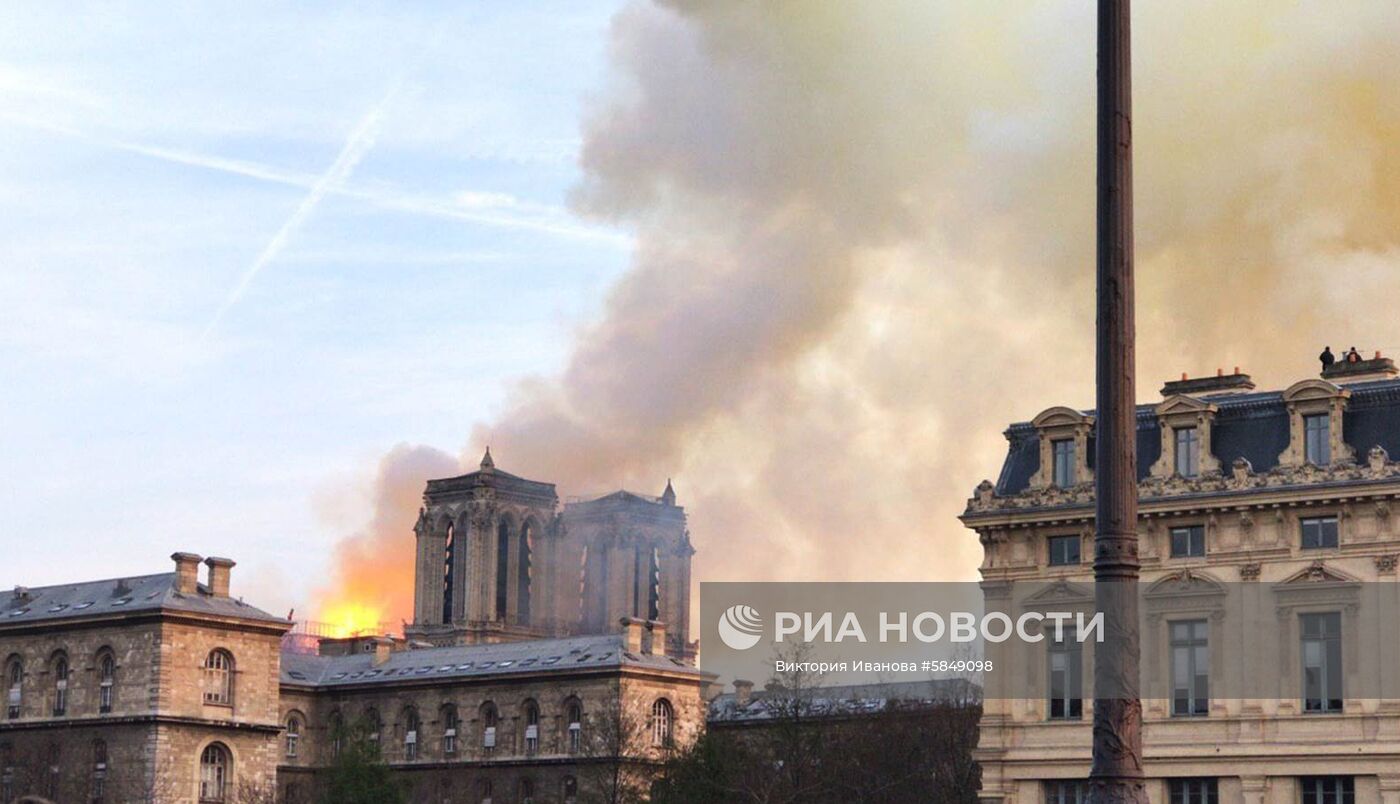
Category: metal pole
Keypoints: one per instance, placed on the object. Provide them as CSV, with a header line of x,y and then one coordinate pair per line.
x,y
1117,770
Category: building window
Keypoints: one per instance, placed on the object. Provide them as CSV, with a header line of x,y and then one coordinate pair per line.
x,y
1327,790
574,714
1188,451
1317,442
484,787
1319,532
449,555
14,696
1190,669
570,790
1189,542
1062,792
337,733
1322,662
1064,550
218,678
60,686
55,771
532,728
527,791
1192,791
1066,678
489,722
662,718
410,734
214,774
1063,451
450,724
106,682
293,736
372,725
99,771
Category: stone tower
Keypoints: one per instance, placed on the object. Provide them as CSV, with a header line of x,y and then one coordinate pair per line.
x,y
497,561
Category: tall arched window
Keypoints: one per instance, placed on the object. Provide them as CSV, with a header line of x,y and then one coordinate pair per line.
x,y
337,724
215,774
570,790
502,568
14,687
60,685
532,728
411,726
662,717
449,553
293,736
99,771
218,678
450,724
573,714
372,725
106,680
522,576
489,721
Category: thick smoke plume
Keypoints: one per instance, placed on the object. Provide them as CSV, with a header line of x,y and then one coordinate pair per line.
x,y
865,245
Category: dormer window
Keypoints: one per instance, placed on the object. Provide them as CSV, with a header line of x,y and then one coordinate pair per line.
x,y
1063,451
1317,447
1188,451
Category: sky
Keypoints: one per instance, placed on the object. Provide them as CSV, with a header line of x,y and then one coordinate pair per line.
x,y
265,270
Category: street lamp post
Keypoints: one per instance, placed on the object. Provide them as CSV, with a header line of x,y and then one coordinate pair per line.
x,y
1117,769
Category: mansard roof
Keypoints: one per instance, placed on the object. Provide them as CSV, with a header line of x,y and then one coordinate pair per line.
x,y
1250,425
436,664
103,599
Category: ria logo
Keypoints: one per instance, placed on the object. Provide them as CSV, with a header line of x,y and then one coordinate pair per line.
x,y
740,627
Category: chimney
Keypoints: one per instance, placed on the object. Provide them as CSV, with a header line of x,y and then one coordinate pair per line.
x,y
186,573
1221,383
1377,368
657,646
632,634
743,691
219,571
22,594
382,649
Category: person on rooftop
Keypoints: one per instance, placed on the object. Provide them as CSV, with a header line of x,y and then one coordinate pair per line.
x,y
1327,358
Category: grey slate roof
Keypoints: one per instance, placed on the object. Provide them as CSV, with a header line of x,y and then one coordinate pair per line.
x,y
839,701
1253,426
146,593
470,661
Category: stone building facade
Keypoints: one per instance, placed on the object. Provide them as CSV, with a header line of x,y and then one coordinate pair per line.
x,y
1276,504
498,560
155,688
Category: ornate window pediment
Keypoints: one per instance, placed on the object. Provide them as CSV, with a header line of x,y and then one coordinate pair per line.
x,y
1182,413
1306,400
1059,595
1066,426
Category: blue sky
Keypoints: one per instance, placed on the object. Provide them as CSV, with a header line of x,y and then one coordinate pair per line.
x,y
149,156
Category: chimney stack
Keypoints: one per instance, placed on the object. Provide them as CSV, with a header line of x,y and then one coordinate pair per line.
x,y
743,691
186,573
1221,383
632,634
658,638
219,571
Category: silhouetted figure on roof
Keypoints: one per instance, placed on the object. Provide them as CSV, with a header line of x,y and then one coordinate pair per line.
x,y
1353,356
1327,358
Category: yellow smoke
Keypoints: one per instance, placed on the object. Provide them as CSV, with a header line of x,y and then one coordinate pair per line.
x,y
865,245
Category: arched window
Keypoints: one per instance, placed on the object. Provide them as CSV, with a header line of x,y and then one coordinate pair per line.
x,y
522,576
573,716
14,687
337,733
449,555
372,725
450,724
489,721
99,771
502,568
570,790
411,726
293,736
532,728
60,685
106,680
527,791
662,717
218,678
215,773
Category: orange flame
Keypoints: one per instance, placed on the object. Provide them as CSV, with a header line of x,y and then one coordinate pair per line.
x,y
349,618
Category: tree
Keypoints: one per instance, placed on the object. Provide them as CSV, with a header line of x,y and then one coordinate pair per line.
x,y
359,774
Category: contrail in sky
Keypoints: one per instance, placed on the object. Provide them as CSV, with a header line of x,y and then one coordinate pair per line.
x,y
360,142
